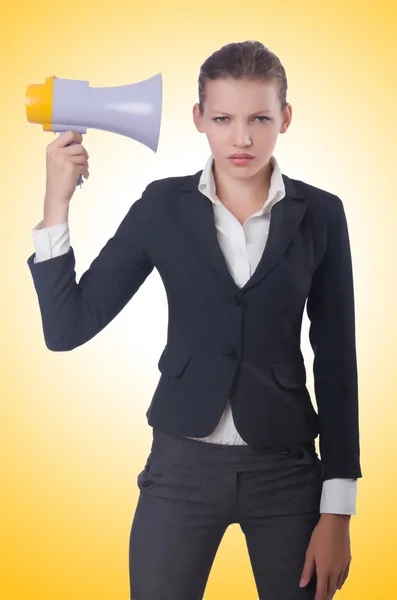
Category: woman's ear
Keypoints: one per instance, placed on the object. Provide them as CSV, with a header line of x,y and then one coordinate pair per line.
x,y
287,117
197,118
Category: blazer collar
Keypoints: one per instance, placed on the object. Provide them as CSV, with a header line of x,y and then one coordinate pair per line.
x,y
197,211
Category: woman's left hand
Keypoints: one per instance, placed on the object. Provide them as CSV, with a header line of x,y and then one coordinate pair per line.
x,y
329,554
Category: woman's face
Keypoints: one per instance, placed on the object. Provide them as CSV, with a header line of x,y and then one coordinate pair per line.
x,y
241,116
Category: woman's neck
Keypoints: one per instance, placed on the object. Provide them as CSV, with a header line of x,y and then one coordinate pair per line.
x,y
243,195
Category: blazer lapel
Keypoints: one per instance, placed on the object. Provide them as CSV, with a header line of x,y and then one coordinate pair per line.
x,y
197,211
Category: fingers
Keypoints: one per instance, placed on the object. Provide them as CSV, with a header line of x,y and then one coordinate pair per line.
x,y
343,577
79,160
69,137
322,587
332,586
308,570
65,138
75,150
328,584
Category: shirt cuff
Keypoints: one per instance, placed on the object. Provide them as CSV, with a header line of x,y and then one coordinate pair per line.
x,y
50,241
339,496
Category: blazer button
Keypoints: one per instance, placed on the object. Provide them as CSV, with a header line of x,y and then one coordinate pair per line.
x,y
232,353
238,300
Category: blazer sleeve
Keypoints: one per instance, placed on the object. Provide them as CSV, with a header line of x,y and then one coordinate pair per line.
x,y
330,308
73,313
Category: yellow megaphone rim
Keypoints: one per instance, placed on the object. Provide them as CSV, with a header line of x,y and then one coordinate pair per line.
x,y
38,103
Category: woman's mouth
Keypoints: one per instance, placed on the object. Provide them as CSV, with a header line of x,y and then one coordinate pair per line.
x,y
240,161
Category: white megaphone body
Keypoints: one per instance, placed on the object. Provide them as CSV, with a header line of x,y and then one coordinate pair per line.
x,y
132,110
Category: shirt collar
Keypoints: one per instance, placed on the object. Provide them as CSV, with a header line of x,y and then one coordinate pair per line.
x,y
276,192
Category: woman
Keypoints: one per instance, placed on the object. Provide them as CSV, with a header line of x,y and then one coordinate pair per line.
x,y
240,248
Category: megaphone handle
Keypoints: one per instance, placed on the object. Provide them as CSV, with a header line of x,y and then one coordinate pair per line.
x,y
80,179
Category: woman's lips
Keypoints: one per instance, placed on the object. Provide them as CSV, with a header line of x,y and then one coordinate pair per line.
x,y
240,161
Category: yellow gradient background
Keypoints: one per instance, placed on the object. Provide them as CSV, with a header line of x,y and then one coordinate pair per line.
x,y
74,435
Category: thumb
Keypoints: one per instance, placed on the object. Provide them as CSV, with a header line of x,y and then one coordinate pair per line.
x,y
307,572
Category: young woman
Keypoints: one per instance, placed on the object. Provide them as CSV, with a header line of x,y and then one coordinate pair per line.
x,y
240,248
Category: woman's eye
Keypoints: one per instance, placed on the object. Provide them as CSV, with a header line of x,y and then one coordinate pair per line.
x,y
258,117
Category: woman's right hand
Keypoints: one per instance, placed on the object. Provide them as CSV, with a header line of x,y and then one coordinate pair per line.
x,y
64,165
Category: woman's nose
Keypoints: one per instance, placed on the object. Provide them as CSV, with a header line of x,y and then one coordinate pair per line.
x,y
242,137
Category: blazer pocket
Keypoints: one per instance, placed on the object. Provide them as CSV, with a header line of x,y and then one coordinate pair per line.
x,y
290,373
173,361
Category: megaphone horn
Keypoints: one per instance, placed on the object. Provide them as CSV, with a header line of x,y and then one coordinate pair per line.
x,y
132,110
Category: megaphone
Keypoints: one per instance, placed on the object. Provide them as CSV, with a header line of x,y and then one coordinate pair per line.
x,y
132,110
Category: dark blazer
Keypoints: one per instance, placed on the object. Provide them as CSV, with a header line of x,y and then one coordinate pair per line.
x,y
226,342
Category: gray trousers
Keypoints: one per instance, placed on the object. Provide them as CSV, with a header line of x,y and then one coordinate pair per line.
x,y
191,491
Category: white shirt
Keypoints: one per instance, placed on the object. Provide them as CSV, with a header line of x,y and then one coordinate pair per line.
x,y
242,246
